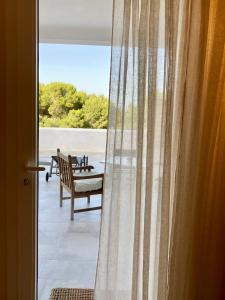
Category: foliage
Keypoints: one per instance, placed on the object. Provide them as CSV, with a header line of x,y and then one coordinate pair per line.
x,y
61,105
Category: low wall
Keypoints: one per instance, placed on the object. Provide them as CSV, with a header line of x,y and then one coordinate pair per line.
x,y
72,139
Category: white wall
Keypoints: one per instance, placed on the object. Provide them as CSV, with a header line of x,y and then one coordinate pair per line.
x,y
72,139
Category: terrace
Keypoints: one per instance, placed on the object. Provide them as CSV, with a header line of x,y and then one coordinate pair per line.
x,y
67,250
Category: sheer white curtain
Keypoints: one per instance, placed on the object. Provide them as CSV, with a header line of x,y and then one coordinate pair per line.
x,y
135,229
154,108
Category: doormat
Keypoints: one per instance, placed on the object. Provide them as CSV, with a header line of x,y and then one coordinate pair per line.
x,y
71,294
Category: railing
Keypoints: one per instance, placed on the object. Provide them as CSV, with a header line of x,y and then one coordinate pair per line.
x,y
70,139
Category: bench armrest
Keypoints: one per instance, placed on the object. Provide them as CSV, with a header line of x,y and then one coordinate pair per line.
x,y
83,168
99,175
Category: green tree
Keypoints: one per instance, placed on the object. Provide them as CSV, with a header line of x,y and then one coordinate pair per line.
x,y
61,105
95,112
74,119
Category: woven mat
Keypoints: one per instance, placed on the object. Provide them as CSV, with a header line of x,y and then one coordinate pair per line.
x,y
71,294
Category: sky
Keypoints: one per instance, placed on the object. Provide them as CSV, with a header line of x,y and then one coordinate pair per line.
x,y
87,67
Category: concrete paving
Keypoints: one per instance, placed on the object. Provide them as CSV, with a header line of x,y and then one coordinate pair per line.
x,y
67,250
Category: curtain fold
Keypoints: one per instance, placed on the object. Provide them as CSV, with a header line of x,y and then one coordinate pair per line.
x,y
198,249
157,135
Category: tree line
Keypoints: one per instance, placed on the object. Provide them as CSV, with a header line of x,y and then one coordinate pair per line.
x,y
62,105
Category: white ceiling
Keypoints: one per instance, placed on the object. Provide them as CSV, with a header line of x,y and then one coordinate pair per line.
x,y
86,22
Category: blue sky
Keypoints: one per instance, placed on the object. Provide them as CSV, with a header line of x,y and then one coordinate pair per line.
x,y
87,67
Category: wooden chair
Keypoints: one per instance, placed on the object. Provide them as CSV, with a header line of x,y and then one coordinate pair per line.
x,y
78,185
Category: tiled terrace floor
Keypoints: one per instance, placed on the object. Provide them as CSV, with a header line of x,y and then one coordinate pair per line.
x,y
67,250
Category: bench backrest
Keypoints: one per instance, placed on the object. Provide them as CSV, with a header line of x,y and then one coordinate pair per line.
x,y
65,171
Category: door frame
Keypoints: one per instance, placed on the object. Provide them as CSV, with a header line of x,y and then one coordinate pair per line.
x,y
18,115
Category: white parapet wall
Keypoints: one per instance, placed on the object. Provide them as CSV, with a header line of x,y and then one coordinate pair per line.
x,y
72,139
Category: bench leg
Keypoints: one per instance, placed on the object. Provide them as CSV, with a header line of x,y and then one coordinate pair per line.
x,y
60,195
72,209
88,200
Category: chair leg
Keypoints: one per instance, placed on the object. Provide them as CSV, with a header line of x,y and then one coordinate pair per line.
x,y
51,166
72,209
61,195
88,200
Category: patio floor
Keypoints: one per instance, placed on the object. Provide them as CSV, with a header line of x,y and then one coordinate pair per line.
x,y
67,250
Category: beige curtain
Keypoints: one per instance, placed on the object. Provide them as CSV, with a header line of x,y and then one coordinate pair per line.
x,y
156,138
197,264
